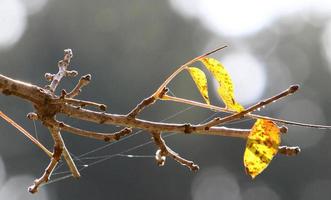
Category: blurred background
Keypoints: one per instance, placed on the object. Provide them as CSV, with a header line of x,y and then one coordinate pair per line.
x,y
129,48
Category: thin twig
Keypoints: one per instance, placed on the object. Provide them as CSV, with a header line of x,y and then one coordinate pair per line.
x,y
83,81
48,171
26,133
164,151
181,68
56,135
107,137
217,121
289,151
145,103
63,66
81,103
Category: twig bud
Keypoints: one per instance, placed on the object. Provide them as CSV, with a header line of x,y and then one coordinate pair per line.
x,y
32,116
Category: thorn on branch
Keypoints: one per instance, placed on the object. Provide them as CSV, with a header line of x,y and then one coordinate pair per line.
x,y
164,151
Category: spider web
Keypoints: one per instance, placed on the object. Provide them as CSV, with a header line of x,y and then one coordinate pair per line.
x,y
87,160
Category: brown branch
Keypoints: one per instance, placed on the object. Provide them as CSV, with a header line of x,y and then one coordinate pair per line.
x,y
123,120
217,121
107,137
83,81
145,103
289,151
48,105
48,171
181,68
42,99
56,135
81,103
253,116
63,66
59,149
26,133
164,151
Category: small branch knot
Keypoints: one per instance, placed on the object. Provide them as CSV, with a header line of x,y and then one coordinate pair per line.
x,y
71,73
32,116
68,55
289,151
49,77
283,129
160,158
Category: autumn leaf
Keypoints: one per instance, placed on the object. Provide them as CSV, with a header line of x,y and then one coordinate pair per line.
x,y
200,80
262,145
226,89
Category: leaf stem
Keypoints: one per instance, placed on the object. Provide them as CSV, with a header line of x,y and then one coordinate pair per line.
x,y
181,68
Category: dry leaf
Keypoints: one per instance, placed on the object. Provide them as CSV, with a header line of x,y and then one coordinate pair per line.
x,y
262,145
200,80
226,89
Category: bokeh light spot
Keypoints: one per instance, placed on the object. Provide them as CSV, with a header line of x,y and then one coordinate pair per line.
x,y
248,75
261,192
241,18
2,173
215,183
12,22
326,44
34,6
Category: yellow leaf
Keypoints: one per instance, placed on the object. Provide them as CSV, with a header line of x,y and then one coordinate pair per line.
x,y
262,145
225,90
200,80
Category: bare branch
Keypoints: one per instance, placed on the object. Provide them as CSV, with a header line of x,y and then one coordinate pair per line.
x,y
123,120
289,151
145,103
217,121
81,103
56,135
48,106
26,133
48,171
164,151
83,81
107,137
63,66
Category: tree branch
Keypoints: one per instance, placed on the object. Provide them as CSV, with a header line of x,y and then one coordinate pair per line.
x,y
48,105
164,151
